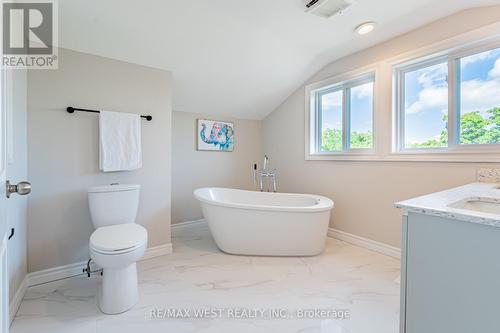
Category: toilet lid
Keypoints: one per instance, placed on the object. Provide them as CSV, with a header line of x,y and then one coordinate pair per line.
x,y
118,237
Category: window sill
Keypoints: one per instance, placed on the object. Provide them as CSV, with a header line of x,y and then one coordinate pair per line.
x,y
352,156
435,156
445,156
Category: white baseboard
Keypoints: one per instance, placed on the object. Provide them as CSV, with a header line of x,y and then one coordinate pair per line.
x,y
71,270
157,251
369,244
57,273
17,299
182,224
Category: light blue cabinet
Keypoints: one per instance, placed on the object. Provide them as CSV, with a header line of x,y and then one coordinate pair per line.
x,y
450,276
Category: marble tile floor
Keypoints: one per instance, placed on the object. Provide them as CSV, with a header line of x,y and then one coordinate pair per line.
x,y
244,294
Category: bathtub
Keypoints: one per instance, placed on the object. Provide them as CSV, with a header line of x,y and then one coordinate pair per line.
x,y
267,224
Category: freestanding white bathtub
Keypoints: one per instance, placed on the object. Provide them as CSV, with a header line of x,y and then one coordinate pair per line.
x,y
268,224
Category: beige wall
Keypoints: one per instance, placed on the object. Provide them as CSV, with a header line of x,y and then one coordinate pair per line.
x,y
364,192
192,169
16,172
63,151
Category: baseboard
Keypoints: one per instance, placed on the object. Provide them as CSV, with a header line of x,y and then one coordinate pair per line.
x,y
369,244
57,273
157,251
183,224
76,269
17,299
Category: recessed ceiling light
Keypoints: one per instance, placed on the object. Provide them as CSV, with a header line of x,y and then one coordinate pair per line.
x,y
365,28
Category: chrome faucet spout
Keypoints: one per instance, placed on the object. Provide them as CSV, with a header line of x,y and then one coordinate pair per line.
x,y
264,163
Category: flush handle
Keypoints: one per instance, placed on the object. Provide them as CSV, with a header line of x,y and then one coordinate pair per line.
x,y
22,188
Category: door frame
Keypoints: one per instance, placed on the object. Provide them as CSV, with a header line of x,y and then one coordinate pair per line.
x,y
5,90
4,281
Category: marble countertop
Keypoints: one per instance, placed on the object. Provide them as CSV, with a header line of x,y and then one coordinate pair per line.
x,y
438,204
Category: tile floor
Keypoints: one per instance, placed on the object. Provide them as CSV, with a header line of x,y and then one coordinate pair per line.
x,y
198,276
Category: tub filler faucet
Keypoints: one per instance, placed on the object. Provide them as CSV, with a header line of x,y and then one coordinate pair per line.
x,y
265,173
265,163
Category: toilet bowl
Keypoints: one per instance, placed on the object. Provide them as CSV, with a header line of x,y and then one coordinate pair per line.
x,y
116,244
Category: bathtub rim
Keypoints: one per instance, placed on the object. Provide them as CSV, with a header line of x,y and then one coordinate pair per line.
x,y
326,204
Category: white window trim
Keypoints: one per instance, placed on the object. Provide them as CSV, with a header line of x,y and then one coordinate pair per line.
x,y
451,59
337,83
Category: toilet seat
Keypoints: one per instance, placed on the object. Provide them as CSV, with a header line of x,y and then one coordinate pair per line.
x,y
118,239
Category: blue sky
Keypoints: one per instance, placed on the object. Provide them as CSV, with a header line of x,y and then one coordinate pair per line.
x,y
361,109
426,97
426,102
427,93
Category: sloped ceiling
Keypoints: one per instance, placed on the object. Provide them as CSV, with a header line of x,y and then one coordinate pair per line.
x,y
238,58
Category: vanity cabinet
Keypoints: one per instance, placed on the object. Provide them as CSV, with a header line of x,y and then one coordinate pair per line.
x,y
450,276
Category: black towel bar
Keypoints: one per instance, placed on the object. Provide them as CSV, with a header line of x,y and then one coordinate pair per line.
x,y
71,109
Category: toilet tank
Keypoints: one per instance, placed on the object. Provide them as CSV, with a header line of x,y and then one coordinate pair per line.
x,y
113,204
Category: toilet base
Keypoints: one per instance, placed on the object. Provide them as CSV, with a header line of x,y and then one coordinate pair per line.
x,y
119,290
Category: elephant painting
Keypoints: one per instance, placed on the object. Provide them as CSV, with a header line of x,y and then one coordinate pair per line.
x,y
215,135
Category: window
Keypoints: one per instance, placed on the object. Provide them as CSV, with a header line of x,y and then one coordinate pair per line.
x,y
479,96
426,106
342,117
448,102
361,116
330,112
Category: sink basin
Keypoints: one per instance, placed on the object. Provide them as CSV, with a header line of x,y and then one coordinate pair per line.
x,y
483,205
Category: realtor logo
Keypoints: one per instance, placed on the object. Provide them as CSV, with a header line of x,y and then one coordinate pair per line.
x,y
29,34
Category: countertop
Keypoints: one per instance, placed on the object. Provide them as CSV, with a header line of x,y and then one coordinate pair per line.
x,y
438,204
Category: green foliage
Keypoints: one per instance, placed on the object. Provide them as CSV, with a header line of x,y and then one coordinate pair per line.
x,y
332,140
362,140
492,134
475,128
432,143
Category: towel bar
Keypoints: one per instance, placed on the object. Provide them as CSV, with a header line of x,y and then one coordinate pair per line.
x,y
71,109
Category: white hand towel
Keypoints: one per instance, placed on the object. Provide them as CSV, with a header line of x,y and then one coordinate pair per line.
x,y
119,141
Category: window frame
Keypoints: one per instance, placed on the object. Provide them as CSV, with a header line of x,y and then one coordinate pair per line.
x,y
452,58
314,113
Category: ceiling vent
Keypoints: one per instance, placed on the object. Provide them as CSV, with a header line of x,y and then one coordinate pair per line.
x,y
326,8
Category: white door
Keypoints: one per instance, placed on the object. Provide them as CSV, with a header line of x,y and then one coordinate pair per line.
x,y
6,159
4,279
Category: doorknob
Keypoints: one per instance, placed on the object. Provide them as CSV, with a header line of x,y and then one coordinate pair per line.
x,y
22,188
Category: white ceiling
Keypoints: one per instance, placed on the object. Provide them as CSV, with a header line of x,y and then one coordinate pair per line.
x,y
239,58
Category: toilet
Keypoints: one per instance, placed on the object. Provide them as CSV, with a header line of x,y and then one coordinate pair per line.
x,y
116,244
